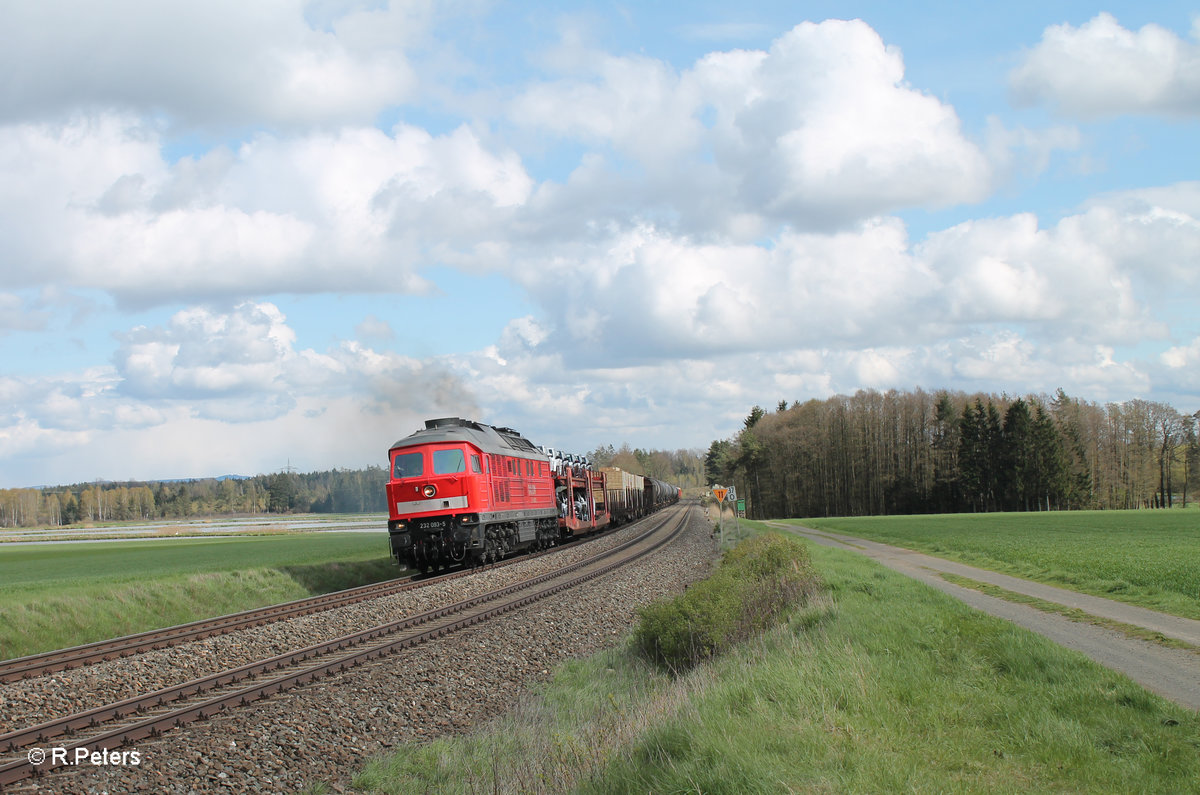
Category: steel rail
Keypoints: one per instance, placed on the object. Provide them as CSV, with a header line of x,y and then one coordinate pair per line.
x,y
127,645
590,568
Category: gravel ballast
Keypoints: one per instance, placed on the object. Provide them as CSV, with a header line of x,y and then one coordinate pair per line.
x,y
323,733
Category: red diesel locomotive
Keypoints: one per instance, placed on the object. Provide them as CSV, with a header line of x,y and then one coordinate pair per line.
x,y
462,492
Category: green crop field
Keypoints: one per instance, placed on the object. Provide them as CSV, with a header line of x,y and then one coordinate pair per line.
x,y
57,595
1146,558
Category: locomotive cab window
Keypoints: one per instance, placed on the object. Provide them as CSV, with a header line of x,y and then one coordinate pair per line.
x,y
449,462
408,465
476,465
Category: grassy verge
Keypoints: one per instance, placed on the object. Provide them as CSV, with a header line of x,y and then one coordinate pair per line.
x,y
881,685
1144,558
67,594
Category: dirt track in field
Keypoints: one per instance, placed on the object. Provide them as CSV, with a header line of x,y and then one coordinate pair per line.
x,y
1172,673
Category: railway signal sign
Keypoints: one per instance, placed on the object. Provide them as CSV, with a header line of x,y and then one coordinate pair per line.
x,y
725,494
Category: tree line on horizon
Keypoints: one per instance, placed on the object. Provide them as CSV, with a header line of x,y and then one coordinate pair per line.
x,y
914,452
332,491
683,468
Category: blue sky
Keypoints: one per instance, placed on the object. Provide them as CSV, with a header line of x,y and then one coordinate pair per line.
x,y
237,235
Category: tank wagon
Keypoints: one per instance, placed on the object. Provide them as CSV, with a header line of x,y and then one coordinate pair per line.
x,y
465,493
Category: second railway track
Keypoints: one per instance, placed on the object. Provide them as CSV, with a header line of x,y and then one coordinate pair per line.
x,y
118,724
114,648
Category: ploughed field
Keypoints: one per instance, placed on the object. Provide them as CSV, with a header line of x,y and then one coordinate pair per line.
x,y
1145,558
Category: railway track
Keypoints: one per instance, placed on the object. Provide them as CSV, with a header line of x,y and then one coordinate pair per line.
x,y
112,726
114,648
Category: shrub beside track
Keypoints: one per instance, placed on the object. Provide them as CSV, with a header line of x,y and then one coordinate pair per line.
x,y
758,581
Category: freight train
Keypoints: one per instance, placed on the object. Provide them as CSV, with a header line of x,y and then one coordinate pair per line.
x,y
465,493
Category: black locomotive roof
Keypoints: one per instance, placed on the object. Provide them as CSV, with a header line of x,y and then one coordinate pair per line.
x,y
488,438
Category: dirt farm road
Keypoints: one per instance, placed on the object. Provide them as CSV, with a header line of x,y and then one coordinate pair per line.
x,y
1172,673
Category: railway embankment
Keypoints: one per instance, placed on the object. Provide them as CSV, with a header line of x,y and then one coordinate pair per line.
x,y
875,682
880,683
321,732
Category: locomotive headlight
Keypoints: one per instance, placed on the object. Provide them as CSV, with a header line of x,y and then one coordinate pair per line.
x,y
430,490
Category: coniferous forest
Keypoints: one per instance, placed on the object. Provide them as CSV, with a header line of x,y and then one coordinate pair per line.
x,y
917,452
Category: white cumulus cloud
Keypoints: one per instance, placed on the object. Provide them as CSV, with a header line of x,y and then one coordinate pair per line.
x,y
1101,69
93,203
821,129
218,63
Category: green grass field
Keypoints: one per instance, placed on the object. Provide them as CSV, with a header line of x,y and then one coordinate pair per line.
x,y
1146,558
58,595
851,694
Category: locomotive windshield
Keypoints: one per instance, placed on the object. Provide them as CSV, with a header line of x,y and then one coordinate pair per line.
x,y
408,465
449,462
